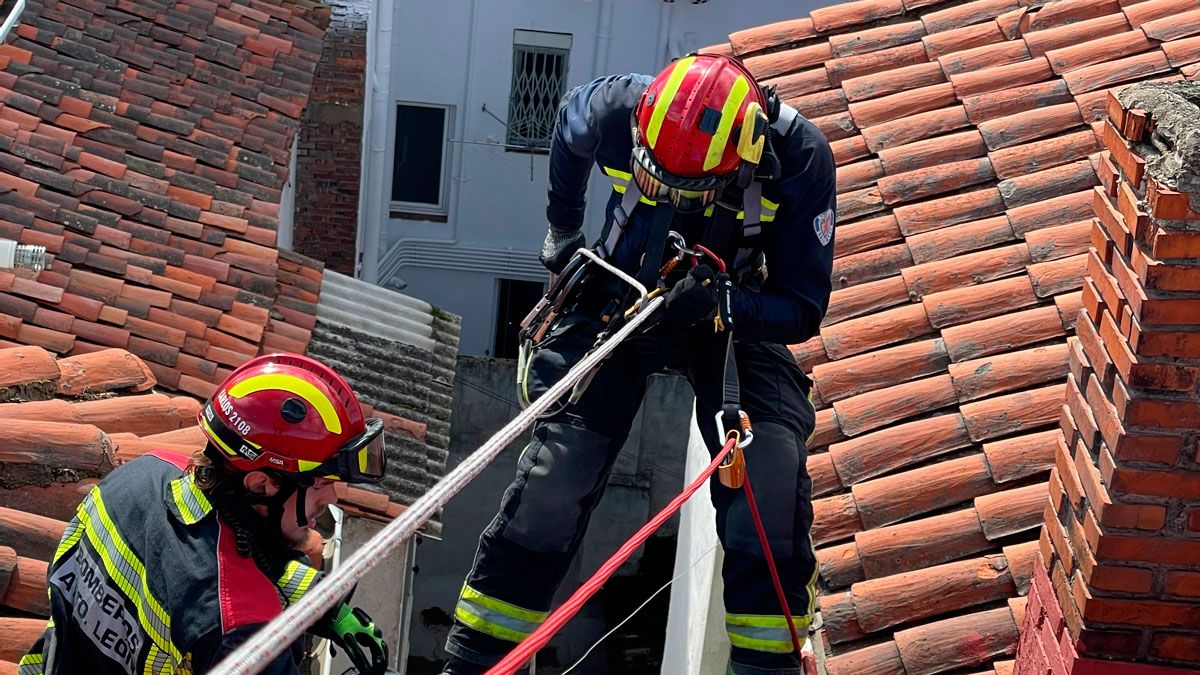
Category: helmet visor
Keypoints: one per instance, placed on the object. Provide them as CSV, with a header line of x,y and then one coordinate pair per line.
x,y
685,194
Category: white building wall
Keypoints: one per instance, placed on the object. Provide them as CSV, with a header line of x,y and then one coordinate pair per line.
x,y
459,53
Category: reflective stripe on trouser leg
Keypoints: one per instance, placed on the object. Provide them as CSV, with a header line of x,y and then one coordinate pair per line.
x,y
763,632
495,617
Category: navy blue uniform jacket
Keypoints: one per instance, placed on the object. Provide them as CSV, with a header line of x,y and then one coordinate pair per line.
x,y
593,127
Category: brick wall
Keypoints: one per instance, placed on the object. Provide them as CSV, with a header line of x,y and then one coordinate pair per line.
x,y
329,148
1117,589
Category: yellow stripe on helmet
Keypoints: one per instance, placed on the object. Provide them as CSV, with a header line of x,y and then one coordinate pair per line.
x,y
294,385
665,98
720,140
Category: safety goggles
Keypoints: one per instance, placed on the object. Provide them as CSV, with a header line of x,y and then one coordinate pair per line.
x,y
361,460
686,194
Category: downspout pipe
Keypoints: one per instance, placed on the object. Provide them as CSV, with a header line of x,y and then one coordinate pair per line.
x,y
603,38
372,193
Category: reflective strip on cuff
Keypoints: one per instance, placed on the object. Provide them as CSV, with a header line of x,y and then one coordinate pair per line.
x,y
296,580
762,633
496,617
31,664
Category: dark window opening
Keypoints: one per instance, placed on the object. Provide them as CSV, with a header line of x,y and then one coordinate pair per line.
x,y
419,155
516,299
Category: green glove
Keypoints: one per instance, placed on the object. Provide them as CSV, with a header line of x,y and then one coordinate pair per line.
x,y
354,631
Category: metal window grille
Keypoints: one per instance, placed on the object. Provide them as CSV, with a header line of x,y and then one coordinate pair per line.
x,y
538,84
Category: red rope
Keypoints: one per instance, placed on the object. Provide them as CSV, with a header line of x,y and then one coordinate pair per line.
x,y
762,538
524,651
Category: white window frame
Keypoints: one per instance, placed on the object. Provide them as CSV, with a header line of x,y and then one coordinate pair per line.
x,y
544,41
442,208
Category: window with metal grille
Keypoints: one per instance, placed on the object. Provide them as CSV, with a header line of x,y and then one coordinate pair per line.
x,y
538,84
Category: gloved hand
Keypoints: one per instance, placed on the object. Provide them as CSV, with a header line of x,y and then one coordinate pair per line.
x,y
353,630
559,247
692,299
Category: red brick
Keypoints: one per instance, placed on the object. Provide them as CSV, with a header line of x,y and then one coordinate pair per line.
x,y
1168,204
1157,275
1132,166
1151,517
1133,217
1174,647
1113,223
1142,612
1136,580
1166,244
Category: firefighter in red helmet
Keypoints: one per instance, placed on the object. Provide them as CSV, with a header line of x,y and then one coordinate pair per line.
x,y
707,166
172,561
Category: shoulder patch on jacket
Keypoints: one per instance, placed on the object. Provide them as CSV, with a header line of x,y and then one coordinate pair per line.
x,y
823,226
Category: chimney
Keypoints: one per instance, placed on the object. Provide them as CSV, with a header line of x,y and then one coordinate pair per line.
x,y
1117,587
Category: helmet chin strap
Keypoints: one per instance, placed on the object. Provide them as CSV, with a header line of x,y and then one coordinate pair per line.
x,y
288,486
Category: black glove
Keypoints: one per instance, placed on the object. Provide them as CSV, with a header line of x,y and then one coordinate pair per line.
x,y
692,299
560,247
353,630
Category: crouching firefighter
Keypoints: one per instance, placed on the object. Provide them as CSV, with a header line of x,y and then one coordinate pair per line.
x,y
713,180
172,562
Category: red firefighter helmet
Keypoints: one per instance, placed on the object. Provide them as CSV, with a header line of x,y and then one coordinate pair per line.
x,y
700,125
294,415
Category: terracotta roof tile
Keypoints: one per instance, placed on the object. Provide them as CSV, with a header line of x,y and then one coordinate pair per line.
x,y
941,43
799,84
1173,27
996,78
875,39
921,543
940,643
854,13
873,454
934,180
946,211
986,56
965,270
870,265
1143,12
788,61
844,68
874,409
1031,125
902,104
915,128
929,153
956,240
887,328
1038,188
820,103
866,234
1107,74
863,298
1018,160
892,81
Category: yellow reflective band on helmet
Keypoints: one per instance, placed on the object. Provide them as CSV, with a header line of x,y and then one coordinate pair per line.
x,y
296,580
750,145
362,459
30,664
665,98
212,435
293,385
495,617
762,632
70,537
193,505
720,139
129,574
620,180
